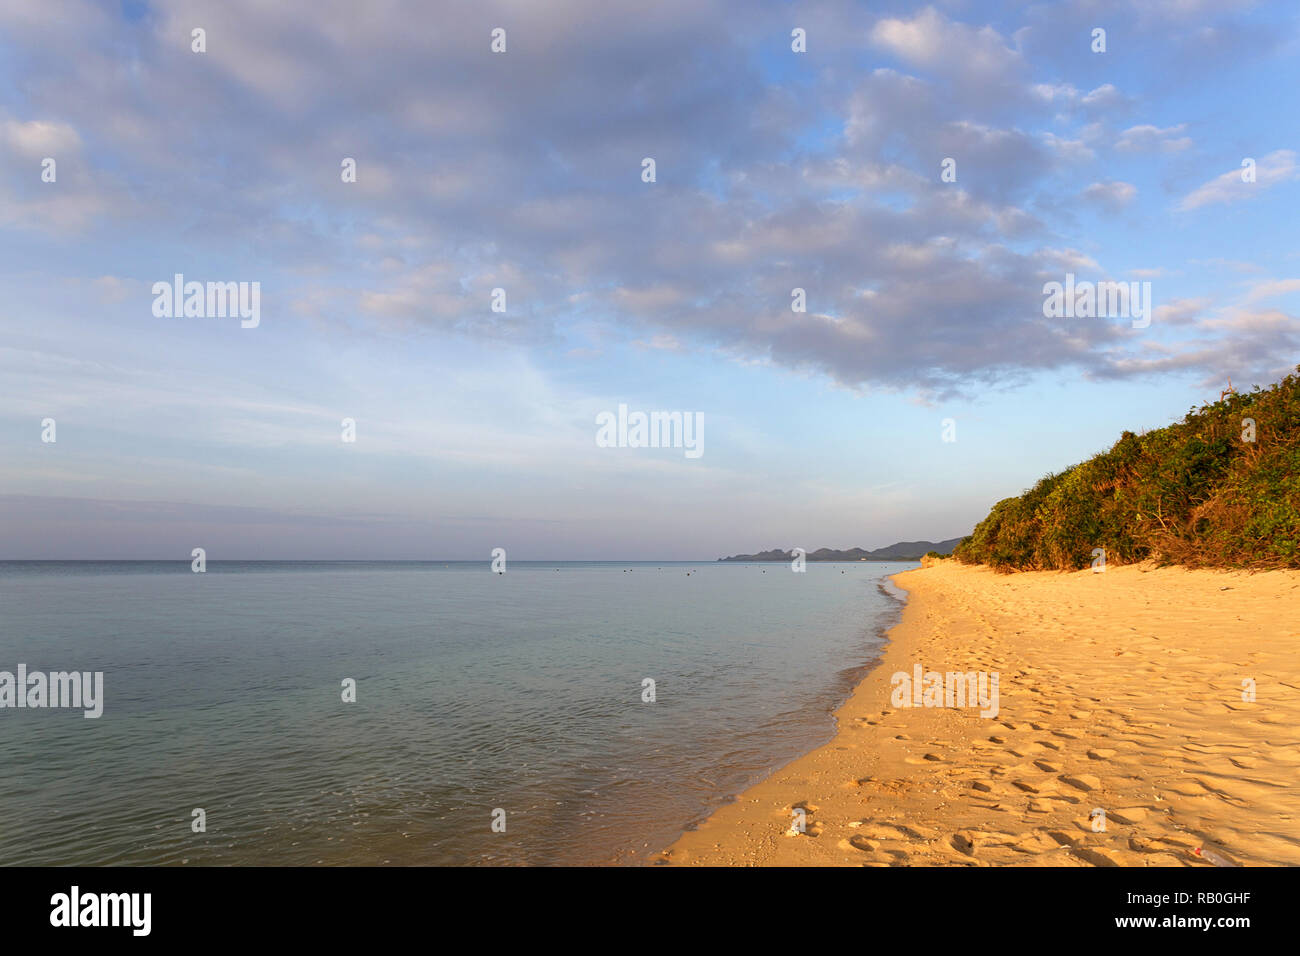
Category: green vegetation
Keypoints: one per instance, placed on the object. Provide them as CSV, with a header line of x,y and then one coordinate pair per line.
x,y
1198,493
936,554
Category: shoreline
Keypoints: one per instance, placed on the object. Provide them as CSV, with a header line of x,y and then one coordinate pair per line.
x,y
1120,706
848,680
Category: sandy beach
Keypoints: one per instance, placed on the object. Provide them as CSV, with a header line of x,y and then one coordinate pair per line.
x,y
1124,693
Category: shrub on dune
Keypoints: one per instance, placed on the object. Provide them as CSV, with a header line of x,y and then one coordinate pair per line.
x,y
1221,488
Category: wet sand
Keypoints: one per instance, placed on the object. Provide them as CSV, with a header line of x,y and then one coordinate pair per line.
x,y
1119,693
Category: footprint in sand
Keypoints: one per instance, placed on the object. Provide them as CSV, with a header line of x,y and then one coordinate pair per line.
x,y
1105,856
1036,842
1025,749
1064,838
1040,785
1129,816
1081,781
877,833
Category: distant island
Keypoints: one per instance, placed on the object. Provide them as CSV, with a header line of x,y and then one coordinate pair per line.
x,y
902,551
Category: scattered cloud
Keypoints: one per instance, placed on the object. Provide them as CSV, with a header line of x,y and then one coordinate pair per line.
x,y
1277,167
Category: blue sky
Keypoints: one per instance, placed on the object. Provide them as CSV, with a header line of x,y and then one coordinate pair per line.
x,y
522,170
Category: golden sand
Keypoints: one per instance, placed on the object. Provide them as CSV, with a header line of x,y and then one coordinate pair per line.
x,y
1119,692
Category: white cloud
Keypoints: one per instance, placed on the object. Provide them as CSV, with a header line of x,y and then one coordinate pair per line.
x,y
975,55
1272,288
1277,167
1112,195
1150,139
36,139
1180,311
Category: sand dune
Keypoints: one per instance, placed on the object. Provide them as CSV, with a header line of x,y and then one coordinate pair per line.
x,y
1119,693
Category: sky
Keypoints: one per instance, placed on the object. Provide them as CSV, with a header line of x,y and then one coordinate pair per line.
x,y
923,382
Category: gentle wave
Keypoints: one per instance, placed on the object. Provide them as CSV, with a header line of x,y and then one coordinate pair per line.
x,y
476,691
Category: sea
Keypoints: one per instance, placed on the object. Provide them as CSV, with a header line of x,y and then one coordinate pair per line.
x,y
415,713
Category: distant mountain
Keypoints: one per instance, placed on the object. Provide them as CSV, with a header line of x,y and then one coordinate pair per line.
x,y
902,551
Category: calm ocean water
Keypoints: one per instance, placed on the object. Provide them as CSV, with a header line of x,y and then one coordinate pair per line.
x,y
475,691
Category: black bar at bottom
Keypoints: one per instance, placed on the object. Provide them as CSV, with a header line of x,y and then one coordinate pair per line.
x,y
966,906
